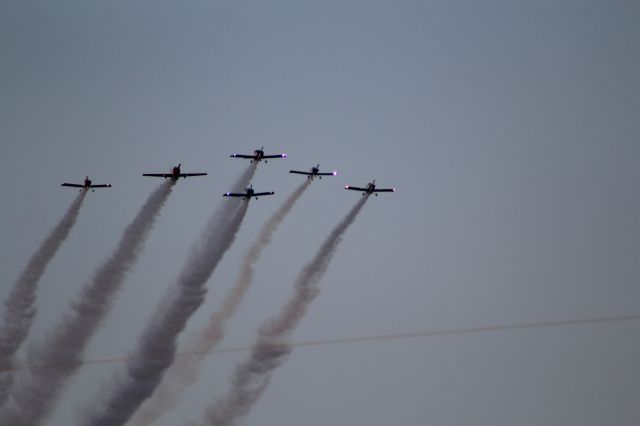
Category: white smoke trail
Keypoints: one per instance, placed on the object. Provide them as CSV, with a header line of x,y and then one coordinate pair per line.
x,y
252,376
156,348
184,371
36,390
19,310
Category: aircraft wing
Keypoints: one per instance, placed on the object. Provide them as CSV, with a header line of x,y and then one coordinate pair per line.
x,y
192,174
74,185
100,186
242,156
162,175
300,172
355,188
260,194
275,156
232,194
385,190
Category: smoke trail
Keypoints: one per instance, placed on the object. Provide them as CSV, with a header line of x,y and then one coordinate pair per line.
x,y
184,372
157,345
35,392
19,310
272,346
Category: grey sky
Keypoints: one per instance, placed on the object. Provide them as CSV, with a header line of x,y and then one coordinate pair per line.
x,y
510,129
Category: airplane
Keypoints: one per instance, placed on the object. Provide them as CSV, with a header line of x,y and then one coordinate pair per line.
x,y
315,171
370,189
258,155
86,185
247,195
175,174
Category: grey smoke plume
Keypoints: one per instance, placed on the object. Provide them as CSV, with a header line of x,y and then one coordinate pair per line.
x,y
252,376
184,371
156,346
37,389
19,307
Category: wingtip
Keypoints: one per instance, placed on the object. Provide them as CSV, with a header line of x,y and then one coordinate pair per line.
x,y
335,173
284,155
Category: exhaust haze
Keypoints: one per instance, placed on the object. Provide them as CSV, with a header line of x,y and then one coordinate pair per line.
x,y
252,376
184,371
156,348
36,390
19,310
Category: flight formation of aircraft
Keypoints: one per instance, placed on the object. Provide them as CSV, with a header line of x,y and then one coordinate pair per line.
x,y
258,155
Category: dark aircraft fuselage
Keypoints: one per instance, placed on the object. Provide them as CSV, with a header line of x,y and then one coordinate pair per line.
x,y
176,172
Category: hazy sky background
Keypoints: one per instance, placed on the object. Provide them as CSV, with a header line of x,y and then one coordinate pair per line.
x,y
510,129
